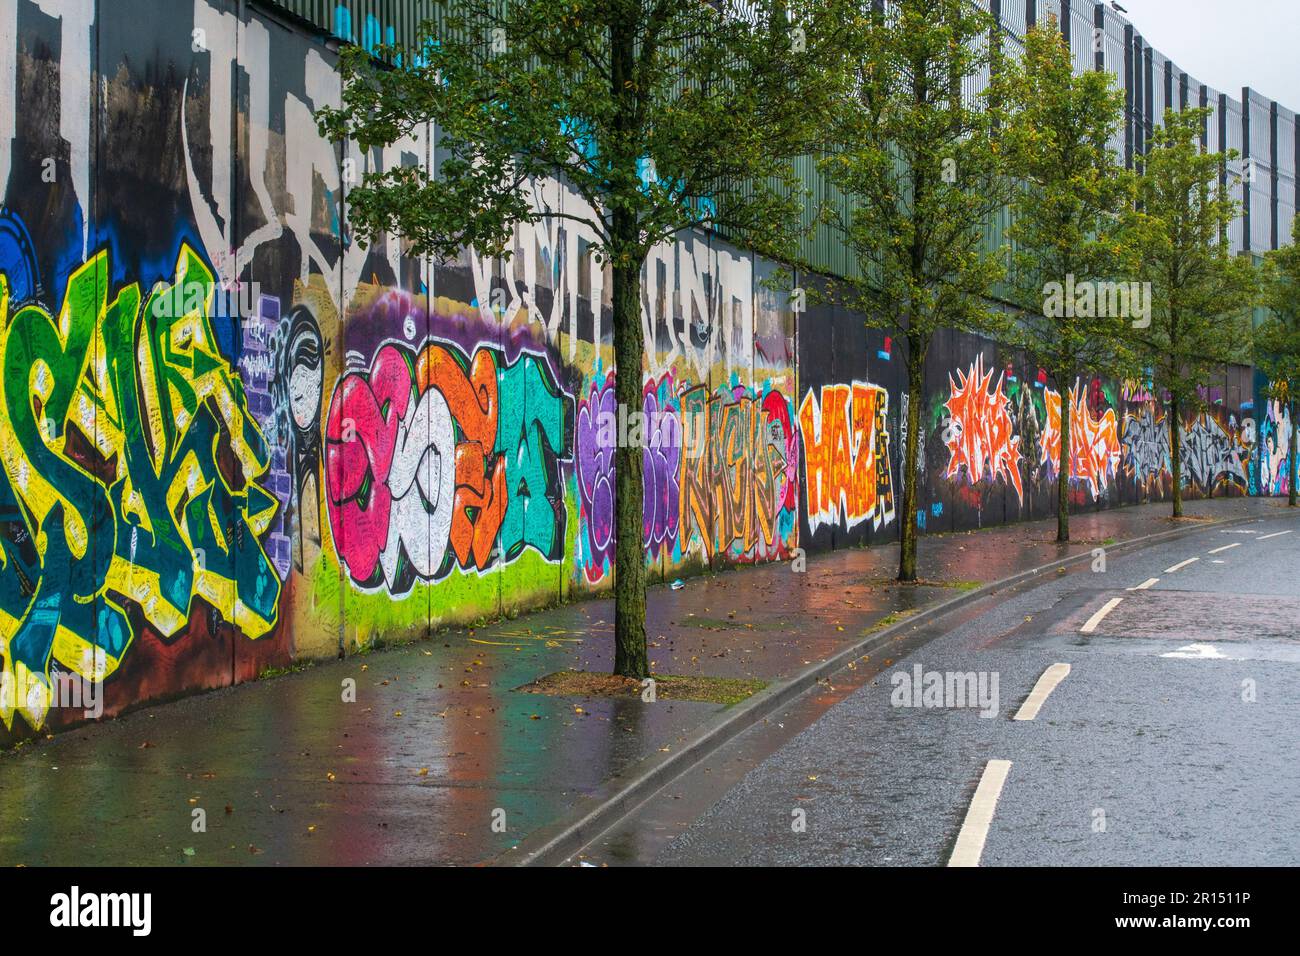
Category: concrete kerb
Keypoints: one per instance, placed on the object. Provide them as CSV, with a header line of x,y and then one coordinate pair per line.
x,y
555,844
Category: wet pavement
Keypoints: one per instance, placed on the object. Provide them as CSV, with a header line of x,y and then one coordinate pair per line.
x,y
1170,742
441,761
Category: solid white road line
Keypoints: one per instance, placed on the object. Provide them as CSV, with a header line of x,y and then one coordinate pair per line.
x,y
975,828
1226,547
1275,534
1149,582
1046,684
1092,622
1181,564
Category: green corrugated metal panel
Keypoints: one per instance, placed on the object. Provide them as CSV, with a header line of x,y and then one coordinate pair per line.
x,y
365,22
372,22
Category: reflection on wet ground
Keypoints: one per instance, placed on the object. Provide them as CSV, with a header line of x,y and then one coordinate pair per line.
x,y
437,752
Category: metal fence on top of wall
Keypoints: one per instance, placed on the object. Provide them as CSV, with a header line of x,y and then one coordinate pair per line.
x,y
1099,36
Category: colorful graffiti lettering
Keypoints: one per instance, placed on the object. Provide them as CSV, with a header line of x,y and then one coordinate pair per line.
x,y
661,468
1135,391
595,472
1212,456
1146,448
720,476
131,472
738,491
430,456
846,455
1094,442
980,436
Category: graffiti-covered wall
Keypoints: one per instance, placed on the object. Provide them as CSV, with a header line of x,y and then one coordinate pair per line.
x,y
231,437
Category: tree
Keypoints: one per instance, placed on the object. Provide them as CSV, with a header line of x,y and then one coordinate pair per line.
x,y
1277,340
1072,238
916,161
663,115
1201,294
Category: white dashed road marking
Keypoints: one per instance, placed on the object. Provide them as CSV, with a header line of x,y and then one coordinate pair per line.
x,y
1226,547
975,828
1149,582
1275,534
1091,624
1181,564
1046,684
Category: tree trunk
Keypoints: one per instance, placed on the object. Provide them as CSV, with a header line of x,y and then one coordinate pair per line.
x,y
1063,467
1291,463
630,655
1176,453
907,541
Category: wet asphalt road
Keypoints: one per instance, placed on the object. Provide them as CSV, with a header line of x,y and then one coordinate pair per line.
x,y
1172,741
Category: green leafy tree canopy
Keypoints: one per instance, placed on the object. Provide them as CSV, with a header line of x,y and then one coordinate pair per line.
x,y
1074,248
663,115
1201,293
1277,340
915,161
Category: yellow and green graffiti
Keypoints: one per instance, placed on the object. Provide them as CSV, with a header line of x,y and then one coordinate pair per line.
x,y
130,479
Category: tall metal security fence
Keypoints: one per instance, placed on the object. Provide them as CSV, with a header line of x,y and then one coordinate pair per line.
x,y
1262,131
278,435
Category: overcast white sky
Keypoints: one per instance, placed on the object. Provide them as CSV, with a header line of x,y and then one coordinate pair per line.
x,y
1228,44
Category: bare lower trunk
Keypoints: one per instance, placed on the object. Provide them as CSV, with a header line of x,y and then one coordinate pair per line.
x,y
907,541
1063,468
630,655
1176,453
